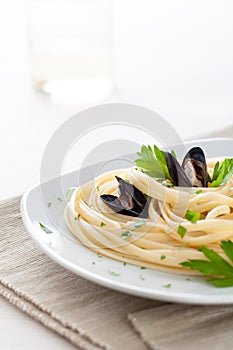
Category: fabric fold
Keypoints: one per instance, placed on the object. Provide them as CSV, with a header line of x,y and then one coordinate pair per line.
x,y
45,319
177,327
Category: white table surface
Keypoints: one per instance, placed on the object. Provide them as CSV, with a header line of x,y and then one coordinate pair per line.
x,y
27,119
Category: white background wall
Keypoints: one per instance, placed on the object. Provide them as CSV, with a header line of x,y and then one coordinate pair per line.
x,y
177,56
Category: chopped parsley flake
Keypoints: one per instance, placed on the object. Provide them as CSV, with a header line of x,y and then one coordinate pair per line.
x,y
124,263
97,188
182,246
198,191
102,223
181,231
142,267
192,216
59,199
137,224
167,285
167,183
49,204
93,262
45,229
125,234
114,274
162,257
67,193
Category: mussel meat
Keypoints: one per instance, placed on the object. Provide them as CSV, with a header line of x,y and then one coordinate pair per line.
x,y
131,201
194,165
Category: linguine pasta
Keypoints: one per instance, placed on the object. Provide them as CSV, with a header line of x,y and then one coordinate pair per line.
x,y
156,241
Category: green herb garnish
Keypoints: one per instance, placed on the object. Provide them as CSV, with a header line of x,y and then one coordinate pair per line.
x,y
162,257
198,191
173,153
167,285
49,204
215,265
181,231
222,173
142,267
137,224
68,192
125,234
59,199
102,223
45,229
167,183
182,246
124,263
192,216
153,162
114,274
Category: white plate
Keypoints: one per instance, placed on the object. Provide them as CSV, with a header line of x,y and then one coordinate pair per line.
x,y
68,252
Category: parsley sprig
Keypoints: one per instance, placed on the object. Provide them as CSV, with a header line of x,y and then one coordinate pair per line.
x,y
215,266
153,162
222,173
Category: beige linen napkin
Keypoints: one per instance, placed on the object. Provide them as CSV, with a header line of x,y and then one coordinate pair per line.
x,y
90,316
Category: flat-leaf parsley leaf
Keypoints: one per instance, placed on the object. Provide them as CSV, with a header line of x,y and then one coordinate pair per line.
x,y
215,265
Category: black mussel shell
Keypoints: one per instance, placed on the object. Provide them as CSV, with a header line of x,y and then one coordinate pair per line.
x,y
194,165
179,178
130,202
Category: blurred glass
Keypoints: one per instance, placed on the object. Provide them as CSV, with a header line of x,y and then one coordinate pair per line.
x,y
70,43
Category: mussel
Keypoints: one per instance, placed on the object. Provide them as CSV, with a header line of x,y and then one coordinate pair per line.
x,y
131,201
194,165
192,173
177,173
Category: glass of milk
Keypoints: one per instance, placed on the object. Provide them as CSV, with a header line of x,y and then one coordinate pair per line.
x,y
70,48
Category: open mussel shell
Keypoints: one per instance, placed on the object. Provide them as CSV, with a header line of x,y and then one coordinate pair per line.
x,y
177,173
194,165
130,202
